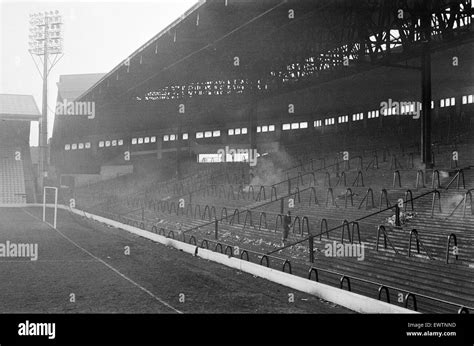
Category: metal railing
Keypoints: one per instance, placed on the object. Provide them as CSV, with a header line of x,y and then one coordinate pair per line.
x,y
385,288
356,220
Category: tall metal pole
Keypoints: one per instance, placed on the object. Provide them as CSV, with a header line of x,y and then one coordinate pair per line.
x,y
44,117
42,26
426,158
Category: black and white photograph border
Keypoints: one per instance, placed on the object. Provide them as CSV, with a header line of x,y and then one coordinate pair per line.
x,y
297,163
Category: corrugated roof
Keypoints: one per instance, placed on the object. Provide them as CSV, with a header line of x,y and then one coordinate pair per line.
x,y
73,85
18,107
154,39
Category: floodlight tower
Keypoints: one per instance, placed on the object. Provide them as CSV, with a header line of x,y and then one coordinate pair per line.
x,y
45,47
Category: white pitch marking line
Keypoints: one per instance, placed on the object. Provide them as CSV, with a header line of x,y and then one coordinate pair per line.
x,y
109,266
46,261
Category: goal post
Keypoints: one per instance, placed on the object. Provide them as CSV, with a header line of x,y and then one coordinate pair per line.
x,y
55,206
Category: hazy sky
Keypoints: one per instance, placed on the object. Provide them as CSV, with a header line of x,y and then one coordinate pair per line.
x,y
97,36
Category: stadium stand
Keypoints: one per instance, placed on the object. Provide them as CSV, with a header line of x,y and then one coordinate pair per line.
x,y
250,218
69,87
349,169
17,183
12,189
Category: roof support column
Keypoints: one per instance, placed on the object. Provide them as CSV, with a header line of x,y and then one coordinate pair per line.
x,y
253,123
426,158
178,147
253,114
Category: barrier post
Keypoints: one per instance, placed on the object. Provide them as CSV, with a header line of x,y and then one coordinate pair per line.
x,y
387,294
397,216
311,270
451,236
